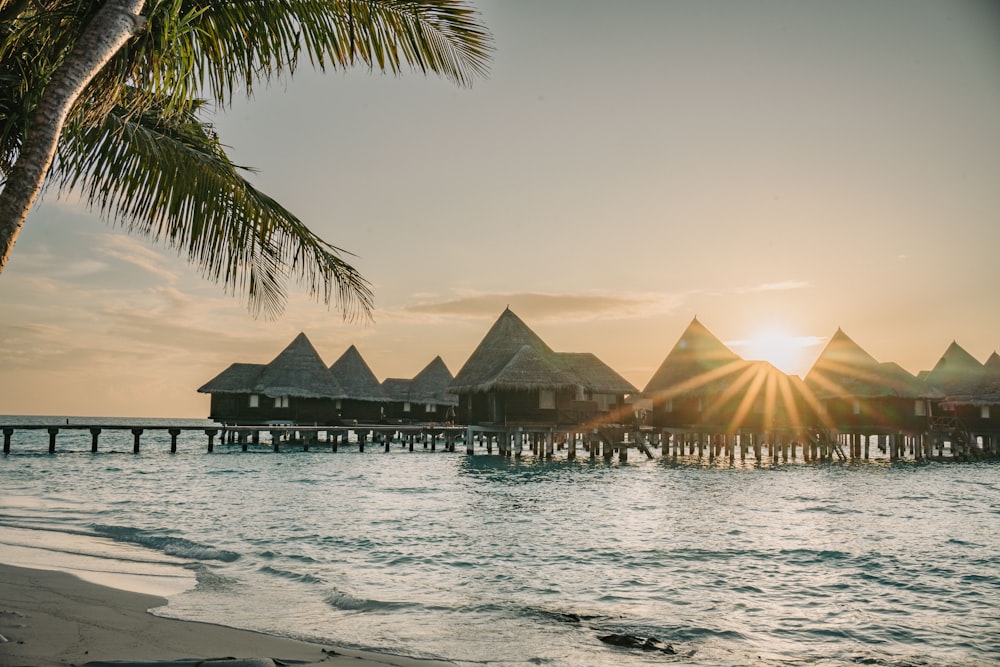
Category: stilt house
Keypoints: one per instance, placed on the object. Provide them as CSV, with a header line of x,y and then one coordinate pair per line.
x,y
988,396
424,398
294,388
970,392
514,378
364,399
702,384
856,394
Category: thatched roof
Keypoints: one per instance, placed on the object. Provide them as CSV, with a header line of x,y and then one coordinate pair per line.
x,y
356,377
237,379
530,369
904,383
598,376
988,391
698,362
512,357
504,339
397,389
845,370
431,384
298,371
957,374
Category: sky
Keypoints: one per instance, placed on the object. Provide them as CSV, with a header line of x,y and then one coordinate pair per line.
x,y
777,169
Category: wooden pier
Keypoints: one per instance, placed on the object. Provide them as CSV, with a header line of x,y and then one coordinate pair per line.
x,y
544,442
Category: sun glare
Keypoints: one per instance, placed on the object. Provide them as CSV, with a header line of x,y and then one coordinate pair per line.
x,y
785,351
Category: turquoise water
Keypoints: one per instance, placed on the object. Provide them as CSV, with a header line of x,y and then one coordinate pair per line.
x,y
480,559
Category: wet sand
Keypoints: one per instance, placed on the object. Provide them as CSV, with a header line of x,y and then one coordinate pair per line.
x,y
52,618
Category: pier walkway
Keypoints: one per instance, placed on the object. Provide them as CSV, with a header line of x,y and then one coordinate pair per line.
x,y
606,441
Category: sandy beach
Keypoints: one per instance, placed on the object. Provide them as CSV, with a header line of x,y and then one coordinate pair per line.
x,y
52,618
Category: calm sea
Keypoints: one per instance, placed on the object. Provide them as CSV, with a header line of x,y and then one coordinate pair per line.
x,y
485,560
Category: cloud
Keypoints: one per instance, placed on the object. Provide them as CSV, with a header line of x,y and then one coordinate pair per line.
x,y
541,307
779,286
131,251
37,329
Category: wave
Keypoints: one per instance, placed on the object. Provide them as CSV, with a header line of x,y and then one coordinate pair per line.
x,y
170,545
294,576
347,602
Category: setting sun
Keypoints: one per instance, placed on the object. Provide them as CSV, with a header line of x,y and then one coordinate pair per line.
x,y
790,354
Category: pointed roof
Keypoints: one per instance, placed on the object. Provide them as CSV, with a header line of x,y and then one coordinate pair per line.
x,y
357,379
842,351
844,369
237,379
697,357
957,373
502,342
512,357
431,384
298,371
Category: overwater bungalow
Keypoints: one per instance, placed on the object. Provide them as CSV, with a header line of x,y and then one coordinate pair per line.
x,y
704,386
294,388
423,398
988,395
514,378
364,399
858,396
970,402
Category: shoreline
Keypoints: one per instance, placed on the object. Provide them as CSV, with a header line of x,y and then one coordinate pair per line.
x,y
51,618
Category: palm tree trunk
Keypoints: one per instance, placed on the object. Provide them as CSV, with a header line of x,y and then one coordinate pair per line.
x,y
113,25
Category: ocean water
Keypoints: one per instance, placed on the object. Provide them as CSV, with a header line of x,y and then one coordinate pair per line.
x,y
485,560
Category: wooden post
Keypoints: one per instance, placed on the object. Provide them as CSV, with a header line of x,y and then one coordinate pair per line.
x,y
174,432
94,433
7,432
362,435
211,433
136,432
52,440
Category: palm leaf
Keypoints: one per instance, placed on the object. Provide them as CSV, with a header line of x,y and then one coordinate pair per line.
x,y
217,46
165,176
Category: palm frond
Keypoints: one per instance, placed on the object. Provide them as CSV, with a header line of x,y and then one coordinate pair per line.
x,y
217,46
165,175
